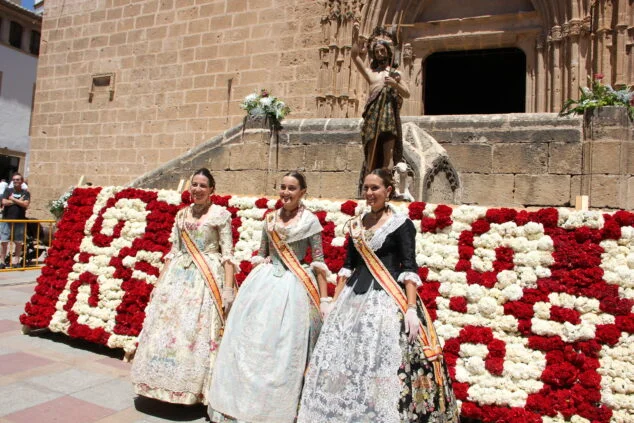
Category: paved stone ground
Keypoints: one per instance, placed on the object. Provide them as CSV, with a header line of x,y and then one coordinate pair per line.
x,y
47,377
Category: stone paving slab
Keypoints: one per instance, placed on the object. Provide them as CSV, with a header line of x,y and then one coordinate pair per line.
x,y
20,395
70,381
63,410
18,277
49,377
20,362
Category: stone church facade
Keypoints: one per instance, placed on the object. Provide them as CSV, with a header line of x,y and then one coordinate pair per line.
x,y
124,86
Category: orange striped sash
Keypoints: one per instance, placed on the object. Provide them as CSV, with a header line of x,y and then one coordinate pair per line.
x,y
208,275
291,261
428,337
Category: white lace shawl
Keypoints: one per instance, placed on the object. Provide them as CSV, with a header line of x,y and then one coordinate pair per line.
x,y
393,223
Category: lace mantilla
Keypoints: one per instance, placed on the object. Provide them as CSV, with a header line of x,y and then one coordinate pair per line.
x,y
216,216
392,224
355,380
307,226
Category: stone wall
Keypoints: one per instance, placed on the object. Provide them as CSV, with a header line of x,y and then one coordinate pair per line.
x,y
516,160
512,159
252,161
608,165
124,86
503,160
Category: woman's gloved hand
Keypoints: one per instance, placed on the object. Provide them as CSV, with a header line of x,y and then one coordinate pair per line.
x,y
412,324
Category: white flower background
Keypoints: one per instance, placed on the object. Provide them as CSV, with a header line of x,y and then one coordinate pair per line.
x,y
532,258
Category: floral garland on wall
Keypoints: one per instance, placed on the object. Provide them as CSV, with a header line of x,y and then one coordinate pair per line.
x,y
534,307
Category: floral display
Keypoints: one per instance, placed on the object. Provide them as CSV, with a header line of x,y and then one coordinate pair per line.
x,y
534,307
266,105
599,95
57,207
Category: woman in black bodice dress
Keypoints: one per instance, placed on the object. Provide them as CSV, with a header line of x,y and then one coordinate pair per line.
x,y
377,358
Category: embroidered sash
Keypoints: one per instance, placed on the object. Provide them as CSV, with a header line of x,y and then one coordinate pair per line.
x,y
290,260
208,275
428,337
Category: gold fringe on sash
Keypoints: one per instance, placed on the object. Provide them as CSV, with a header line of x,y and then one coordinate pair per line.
x,y
208,275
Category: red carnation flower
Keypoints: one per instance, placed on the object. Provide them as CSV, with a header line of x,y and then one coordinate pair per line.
x,y
458,304
416,210
349,207
262,203
480,226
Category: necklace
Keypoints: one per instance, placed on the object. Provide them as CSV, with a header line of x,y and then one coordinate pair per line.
x,y
287,215
378,213
200,209
375,217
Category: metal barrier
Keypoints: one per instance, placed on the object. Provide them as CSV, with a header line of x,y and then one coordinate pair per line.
x,y
35,241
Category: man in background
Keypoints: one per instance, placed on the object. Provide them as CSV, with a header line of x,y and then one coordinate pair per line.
x,y
15,202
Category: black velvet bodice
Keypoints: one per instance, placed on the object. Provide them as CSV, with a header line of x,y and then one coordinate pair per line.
x,y
398,254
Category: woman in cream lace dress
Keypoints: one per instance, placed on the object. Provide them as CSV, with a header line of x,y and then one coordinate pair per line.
x,y
180,336
273,324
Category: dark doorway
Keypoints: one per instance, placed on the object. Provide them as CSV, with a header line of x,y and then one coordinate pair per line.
x,y
475,82
8,166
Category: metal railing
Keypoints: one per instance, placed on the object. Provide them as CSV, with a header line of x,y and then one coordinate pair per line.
x,y
35,241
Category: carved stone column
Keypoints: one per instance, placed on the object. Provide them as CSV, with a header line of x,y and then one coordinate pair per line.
x,y
555,47
540,69
338,87
585,50
574,33
412,105
620,33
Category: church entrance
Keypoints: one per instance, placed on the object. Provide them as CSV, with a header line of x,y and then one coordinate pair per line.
x,y
475,82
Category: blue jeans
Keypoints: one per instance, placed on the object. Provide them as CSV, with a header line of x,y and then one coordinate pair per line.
x,y
18,232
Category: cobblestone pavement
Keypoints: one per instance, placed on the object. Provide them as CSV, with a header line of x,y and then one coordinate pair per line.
x,y
48,377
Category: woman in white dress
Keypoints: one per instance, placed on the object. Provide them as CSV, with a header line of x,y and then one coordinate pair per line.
x,y
274,322
182,328
378,358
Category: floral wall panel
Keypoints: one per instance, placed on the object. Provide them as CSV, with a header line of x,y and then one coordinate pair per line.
x,y
534,307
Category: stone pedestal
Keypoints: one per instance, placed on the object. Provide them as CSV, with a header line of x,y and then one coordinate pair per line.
x,y
608,158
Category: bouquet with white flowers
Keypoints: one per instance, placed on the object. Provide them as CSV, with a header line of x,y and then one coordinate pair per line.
x,y
265,105
57,207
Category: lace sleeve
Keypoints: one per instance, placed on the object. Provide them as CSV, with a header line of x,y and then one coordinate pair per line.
x,y
263,252
226,243
317,253
407,246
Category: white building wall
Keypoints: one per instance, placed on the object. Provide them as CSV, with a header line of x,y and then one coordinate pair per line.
x,y
16,94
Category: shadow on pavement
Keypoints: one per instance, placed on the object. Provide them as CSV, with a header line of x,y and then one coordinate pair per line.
x,y
167,411
75,343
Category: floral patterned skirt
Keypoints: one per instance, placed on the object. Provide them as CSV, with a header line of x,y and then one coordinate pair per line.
x,y
179,340
363,369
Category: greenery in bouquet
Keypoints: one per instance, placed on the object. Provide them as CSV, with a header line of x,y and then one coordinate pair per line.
x,y
599,95
266,105
57,207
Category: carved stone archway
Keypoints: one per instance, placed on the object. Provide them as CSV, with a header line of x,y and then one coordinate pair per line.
x,y
565,41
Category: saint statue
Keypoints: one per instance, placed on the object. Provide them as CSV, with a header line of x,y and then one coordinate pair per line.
x,y
381,132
